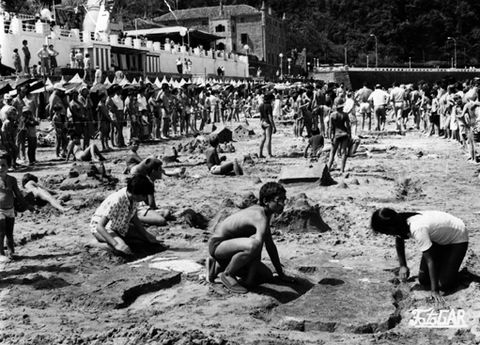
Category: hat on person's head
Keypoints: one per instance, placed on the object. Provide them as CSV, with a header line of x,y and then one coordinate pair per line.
x,y
378,86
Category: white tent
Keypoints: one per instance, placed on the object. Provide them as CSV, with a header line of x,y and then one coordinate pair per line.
x,y
107,82
76,79
124,82
158,83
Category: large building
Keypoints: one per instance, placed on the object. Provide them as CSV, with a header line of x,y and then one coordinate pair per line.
x,y
244,29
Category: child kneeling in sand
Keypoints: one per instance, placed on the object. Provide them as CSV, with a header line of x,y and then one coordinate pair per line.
x,y
236,246
442,238
214,162
115,221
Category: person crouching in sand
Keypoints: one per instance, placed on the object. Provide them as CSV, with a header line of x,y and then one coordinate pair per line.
x,y
236,246
442,238
214,162
115,221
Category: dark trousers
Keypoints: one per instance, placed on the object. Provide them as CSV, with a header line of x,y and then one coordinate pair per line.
x,y
32,149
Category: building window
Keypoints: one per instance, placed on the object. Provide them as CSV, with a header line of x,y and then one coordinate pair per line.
x,y
244,38
220,28
234,47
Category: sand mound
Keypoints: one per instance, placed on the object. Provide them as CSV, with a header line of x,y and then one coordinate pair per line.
x,y
300,216
407,188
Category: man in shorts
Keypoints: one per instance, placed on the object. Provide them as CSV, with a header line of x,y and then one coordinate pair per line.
x,y
397,97
340,133
379,99
361,97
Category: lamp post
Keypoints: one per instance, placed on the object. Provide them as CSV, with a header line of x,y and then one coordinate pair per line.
x,y
410,62
376,49
281,65
289,66
454,50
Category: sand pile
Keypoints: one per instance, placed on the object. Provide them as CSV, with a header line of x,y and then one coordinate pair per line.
x,y
300,216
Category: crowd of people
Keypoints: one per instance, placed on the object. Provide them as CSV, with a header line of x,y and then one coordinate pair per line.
x,y
320,111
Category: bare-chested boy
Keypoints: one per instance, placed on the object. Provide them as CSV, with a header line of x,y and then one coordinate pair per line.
x,y
9,191
236,246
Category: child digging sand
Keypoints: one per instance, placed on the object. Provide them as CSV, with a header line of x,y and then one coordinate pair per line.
x,y
442,238
115,221
9,191
235,248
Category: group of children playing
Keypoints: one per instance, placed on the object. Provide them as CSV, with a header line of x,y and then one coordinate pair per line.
x,y
236,245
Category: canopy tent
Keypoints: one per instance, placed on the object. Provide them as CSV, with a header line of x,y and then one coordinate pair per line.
x,y
192,37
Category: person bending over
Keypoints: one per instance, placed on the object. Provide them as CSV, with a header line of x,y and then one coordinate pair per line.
x,y
214,162
442,238
236,246
115,221
316,143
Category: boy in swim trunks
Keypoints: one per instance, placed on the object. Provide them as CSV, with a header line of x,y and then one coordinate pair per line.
x,y
236,246
9,191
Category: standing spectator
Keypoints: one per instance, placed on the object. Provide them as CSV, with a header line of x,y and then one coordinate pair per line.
x,y
26,57
120,121
165,107
44,57
277,107
17,62
31,128
21,131
8,117
103,122
268,125
98,75
379,98
53,58
73,62
87,108
60,126
87,65
340,133
79,59
179,65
